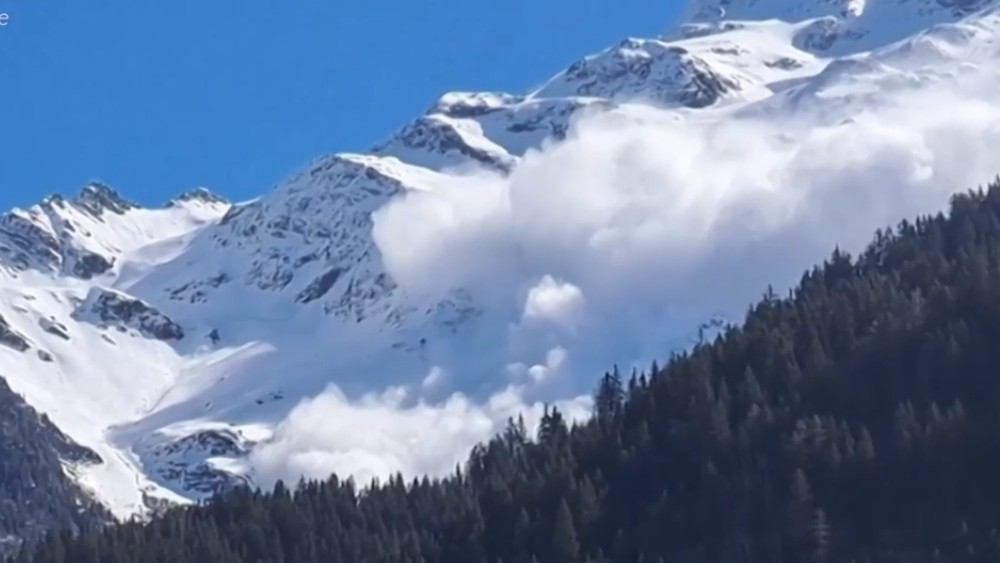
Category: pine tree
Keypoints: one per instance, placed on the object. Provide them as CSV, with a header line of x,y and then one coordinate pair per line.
x,y
866,447
800,512
609,396
820,537
565,548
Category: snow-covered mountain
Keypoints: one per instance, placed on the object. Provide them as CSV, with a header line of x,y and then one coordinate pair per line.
x,y
174,341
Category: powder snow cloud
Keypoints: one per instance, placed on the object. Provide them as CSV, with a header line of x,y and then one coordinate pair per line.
x,y
612,247
381,434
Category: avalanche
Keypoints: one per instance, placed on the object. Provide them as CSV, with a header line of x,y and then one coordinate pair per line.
x,y
448,278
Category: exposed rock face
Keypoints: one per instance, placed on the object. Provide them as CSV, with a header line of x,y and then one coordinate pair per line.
x,y
313,235
196,291
188,461
53,237
11,338
25,242
202,195
645,69
54,327
320,286
515,123
99,198
473,104
841,25
112,308
89,265
85,236
437,142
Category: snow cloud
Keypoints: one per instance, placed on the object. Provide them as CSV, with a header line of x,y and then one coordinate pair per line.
x,y
615,245
553,301
555,362
645,223
381,434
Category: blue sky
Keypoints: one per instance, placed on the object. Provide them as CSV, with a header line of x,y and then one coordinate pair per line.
x,y
158,97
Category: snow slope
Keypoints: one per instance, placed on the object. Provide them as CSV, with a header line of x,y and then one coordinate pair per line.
x,y
175,341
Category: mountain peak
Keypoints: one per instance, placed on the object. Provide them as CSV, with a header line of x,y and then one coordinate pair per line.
x,y
648,69
795,10
798,10
203,195
98,197
833,27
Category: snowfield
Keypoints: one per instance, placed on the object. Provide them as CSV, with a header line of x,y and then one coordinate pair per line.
x,y
383,312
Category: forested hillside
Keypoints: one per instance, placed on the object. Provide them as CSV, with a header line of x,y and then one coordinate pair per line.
x,y
35,493
855,419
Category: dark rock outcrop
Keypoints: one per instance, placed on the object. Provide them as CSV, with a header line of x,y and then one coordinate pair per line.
x,y
438,137
54,328
320,286
186,462
199,194
89,265
12,338
647,69
98,198
111,308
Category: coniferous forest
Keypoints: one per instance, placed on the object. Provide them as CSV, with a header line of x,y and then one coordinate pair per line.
x,y
856,419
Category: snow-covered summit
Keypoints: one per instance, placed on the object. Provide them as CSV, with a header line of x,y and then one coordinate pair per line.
x,y
836,26
85,236
648,70
799,10
175,341
202,196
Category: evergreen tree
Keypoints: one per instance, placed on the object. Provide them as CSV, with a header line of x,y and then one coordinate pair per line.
x,y
565,548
